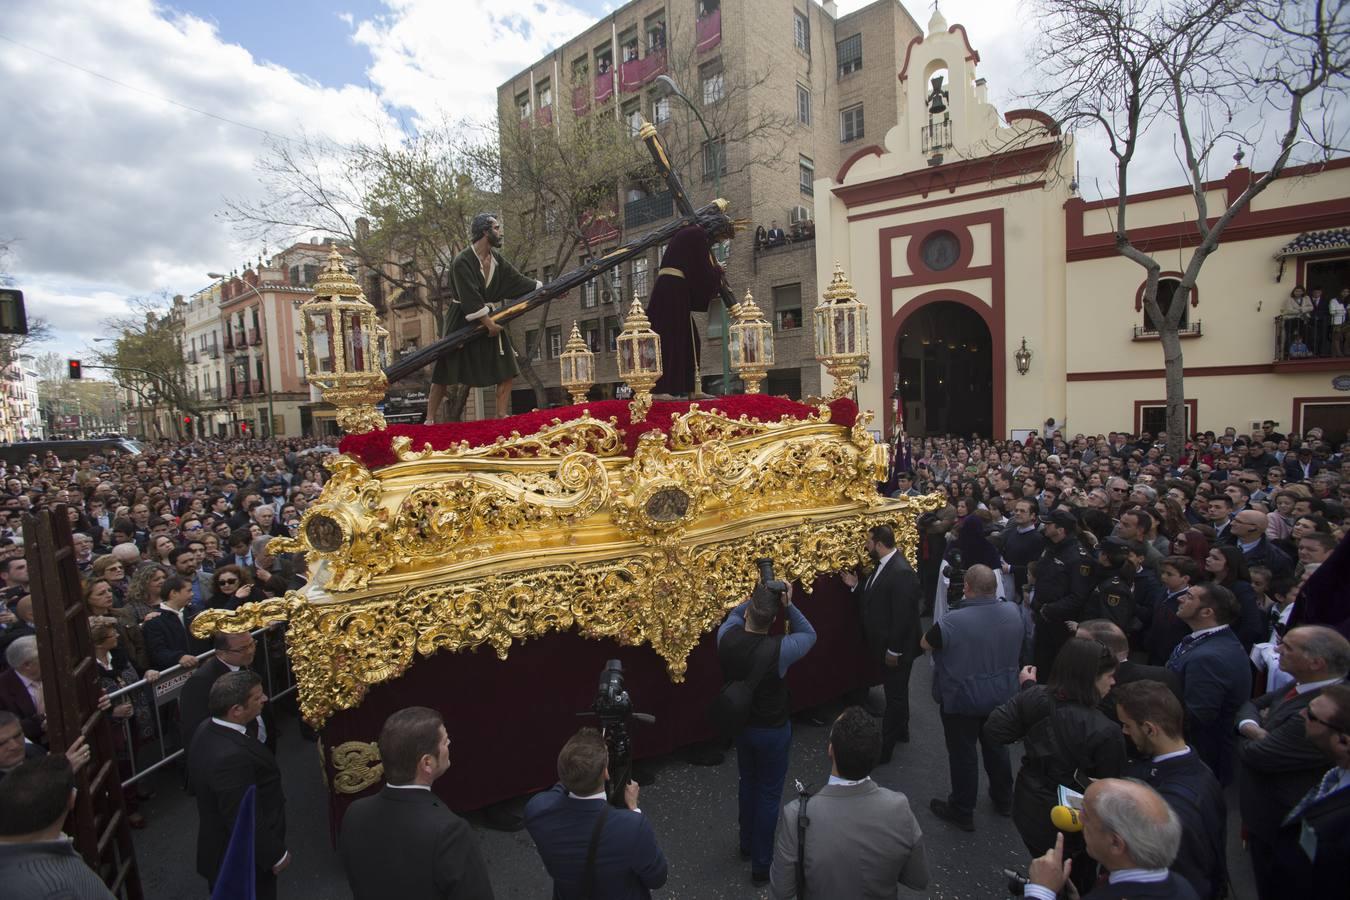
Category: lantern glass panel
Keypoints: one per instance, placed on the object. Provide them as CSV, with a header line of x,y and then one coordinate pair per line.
x,y
582,369
356,341
647,353
627,357
321,344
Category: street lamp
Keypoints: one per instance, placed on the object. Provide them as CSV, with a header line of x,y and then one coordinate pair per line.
x,y
267,362
672,88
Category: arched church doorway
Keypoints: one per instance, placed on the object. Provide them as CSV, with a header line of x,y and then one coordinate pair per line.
x,y
944,356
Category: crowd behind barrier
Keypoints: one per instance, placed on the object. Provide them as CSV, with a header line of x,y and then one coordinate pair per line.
x,y
1220,576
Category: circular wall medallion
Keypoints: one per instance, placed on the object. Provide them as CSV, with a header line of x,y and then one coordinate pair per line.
x,y
666,505
1341,383
940,250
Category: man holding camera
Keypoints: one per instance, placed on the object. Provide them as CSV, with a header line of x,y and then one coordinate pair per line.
x,y
749,654
590,849
889,608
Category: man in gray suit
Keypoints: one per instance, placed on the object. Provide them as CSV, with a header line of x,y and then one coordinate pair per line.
x,y
862,839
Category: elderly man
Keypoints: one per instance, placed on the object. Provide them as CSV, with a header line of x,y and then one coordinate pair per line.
x,y
1249,531
1277,762
21,688
1132,832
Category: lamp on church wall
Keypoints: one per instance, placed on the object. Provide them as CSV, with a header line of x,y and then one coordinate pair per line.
x,y
751,344
1022,356
639,359
578,366
841,333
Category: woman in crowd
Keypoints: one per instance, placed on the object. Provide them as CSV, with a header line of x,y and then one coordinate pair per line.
x,y
143,593
1227,566
110,569
1172,516
232,586
114,673
1192,543
1065,738
98,601
159,549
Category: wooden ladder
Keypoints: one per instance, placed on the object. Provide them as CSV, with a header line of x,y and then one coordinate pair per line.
x,y
71,693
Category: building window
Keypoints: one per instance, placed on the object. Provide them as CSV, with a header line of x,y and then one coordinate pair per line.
x,y
612,333
590,333
660,108
803,105
787,307
543,92
554,341
590,291
1166,291
851,123
533,346
632,112
806,175
613,286
714,159
801,32
850,55
523,105
639,278
710,76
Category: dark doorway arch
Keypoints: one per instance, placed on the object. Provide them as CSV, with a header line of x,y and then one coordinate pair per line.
x,y
945,360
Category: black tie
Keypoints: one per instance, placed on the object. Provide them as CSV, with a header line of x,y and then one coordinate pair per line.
x,y
251,729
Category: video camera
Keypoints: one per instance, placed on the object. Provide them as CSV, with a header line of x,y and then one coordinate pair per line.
x,y
776,586
614,708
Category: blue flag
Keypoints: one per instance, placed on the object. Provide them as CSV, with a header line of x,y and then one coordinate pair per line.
x,y
238,876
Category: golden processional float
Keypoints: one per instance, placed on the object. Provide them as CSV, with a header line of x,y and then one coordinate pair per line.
x,y
643,526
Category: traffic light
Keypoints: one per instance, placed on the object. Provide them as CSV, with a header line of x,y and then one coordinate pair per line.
x,y
13,320
187,420
243,426
73,370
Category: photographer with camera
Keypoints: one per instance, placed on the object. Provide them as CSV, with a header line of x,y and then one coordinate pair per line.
x,y
591,850
754,705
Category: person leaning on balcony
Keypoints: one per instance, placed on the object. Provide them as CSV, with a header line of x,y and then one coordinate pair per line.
x,y
1296,310
482,281
1340,323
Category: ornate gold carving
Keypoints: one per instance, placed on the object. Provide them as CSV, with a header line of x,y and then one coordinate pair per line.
x,y
357,766
556,439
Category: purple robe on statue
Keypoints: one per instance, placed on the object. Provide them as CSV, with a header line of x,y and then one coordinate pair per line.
x,y
674,297
1325,598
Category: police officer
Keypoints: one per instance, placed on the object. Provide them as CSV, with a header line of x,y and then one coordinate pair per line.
x,y
1063,582
1113,597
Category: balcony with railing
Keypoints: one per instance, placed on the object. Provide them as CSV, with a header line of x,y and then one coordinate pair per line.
x,y
544,116
257,386
1147,332
581,98
646,210
936,136
604,86
240,342
192,357
708,30
229,341
254,339
1307,343
636,73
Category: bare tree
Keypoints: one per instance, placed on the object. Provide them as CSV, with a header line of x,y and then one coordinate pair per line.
x,y
147,356
1212,73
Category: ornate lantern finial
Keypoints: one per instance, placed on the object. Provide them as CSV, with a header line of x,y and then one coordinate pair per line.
x,y
751,343
639,359
841,333
578,366
346,348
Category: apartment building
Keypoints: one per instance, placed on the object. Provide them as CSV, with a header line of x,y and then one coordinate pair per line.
x,y
790,91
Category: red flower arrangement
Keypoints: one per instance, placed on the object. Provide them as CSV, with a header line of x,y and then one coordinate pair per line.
x,y
375,449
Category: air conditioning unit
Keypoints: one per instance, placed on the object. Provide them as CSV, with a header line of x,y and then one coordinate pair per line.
x,y
799,214
1255,425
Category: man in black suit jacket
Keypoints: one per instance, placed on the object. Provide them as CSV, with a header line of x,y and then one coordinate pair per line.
x,y
233,652
572,817
1107,632
403,842
224,763
1278,764
20,684
167,640
1131,831
1312,849
1216,676
889,602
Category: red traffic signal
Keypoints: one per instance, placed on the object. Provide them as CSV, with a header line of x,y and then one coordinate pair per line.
x,y
187,420
73,369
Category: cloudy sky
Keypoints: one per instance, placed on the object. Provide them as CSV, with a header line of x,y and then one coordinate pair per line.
x,y
128,123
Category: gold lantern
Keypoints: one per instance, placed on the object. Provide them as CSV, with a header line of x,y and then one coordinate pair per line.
x,y
751,344
841,334
346,348
639,359
578,366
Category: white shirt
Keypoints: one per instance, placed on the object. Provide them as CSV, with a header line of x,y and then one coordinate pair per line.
x,y
164,607
1037,892
1208,630
596,796
881,564
233,726
1161,757
33,686
409,787
262,726
835,779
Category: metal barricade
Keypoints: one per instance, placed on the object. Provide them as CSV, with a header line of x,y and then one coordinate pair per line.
x,y
165,690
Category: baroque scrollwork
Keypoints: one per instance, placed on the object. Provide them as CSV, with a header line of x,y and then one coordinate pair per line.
x,y
357,766
585,434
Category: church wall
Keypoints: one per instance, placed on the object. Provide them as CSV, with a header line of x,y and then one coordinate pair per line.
x,y
1148,213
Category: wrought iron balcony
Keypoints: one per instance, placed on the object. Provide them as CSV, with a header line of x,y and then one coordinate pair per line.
x,y
647,210
1145,333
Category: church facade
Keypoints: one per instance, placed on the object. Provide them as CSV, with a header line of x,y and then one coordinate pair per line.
x,y
997,299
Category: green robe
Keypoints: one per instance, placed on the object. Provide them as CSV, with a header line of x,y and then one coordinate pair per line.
x,y
486,360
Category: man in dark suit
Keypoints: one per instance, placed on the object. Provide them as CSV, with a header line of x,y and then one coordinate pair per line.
x,y
590,849
1216,676
1249,531
1301,466
21,688
1278,764
223,764
403,842
167,640
233,653
1152,719
1131,831
1312,850
1107,632
889,603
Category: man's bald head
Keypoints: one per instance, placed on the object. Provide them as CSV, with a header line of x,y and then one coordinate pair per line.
x,y
1254,518
127,553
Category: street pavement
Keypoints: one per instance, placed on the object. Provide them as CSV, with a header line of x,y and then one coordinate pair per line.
x,y
693,809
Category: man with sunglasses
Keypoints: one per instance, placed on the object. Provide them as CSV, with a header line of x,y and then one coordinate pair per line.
x,y
1278,764
1311,857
